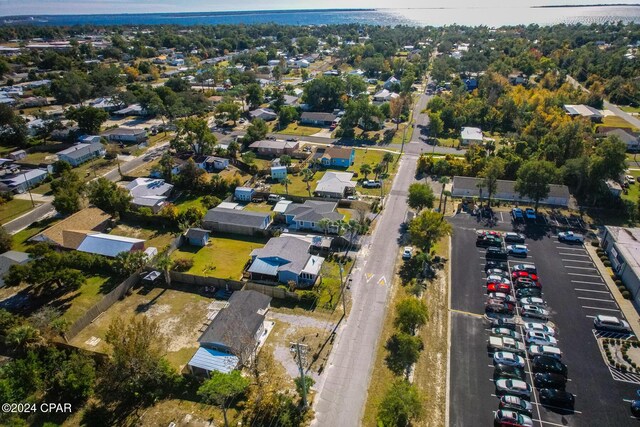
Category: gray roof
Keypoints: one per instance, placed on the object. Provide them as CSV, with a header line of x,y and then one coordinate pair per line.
x,y
196,233
504,186
236,325
81,150
318,116
124,131
10,258
145,187
277,145
284,253
236,217
626,137
314,211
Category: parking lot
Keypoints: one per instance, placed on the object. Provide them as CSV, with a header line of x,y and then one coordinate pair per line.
x,y
575,293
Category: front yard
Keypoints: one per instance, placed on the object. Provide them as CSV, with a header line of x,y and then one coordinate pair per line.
x,y
615,121
225,256
13,209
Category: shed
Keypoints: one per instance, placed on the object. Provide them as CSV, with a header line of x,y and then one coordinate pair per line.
x,y
244,194
197,236
278,173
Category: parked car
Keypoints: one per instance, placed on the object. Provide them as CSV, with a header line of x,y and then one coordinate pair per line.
x,y
635,408
371,184
407,253
529,268
540,338
501,296
508,371
505,344
517,388
485,242
506,332
517,404
525,282
611,323
548,364
504,418
570,237
528,292
557,398
518,250
534,312
292,139
549,380
522,273
494,233
494,309
490,264
545,350
512,237
496,272
496,253
533,301
530,213
540,327
498,279
498,287
517,214
503,323
508,358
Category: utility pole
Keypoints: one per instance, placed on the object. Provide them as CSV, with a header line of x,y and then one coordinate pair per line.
x,y
344,299
300,352
404,134
28,187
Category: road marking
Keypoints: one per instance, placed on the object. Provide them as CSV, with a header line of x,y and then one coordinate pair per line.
x,y
467,313
590,290
369,276
564,248
501,217
580,268
577,260
589,283
600,308
598,299
549,422
590,317
585,275
571,254
382,281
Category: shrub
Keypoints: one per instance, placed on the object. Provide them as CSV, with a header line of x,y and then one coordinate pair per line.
x,y
618,282
626,295
622,288
595,243
606,263
182,264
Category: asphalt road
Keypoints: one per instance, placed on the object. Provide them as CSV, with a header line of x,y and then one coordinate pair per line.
x,y
575,293
343,390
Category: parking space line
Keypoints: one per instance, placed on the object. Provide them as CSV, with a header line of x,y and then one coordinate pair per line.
x,y
600,308
580,268
590,317
590,290
571,249
556,407
577,260
589,283
585,275
549,422
598,299
572,254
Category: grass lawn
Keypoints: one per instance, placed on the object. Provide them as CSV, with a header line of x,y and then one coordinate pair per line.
x,y
144,170
346,212
186,201
615,121
36,158
232,172
298,187
159,138
397,136
373,157
296,129
634,189
225,256
92,291
181,316
330,287
629,109
258,207
94,168
448,142
154,237
20,238
13,209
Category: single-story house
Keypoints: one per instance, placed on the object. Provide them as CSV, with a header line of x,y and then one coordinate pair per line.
x,y
109,245
518,79
585,111
236,221
23,180
278,172
622,244
17,155
211,163
244,194
149,192
126,135
390,83
614,188
464,186
335,185
10,258
106,104
333,156
317,118
631,139
89,139
81,153
284,259
131,110
91,218
197,236
471,135
385,95
233,335
263,113
269,147
307,215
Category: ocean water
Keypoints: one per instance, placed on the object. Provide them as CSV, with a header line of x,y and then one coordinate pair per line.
x,y
473,16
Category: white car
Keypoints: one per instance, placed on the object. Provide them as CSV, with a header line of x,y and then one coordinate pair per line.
x,y
540,327
540,338
495,278
519,250
533,301
513,387
545,350
570,237
501,296
508,358
611,323
407,253
534,311
506,332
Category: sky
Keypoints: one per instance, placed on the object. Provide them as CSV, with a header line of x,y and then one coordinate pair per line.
x,y
73,7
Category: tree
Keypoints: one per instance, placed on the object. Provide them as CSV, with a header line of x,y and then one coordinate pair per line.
x,y
324,93
232,150
222,388
354,85
255,96
14,128
307,177
249,157
365,170
387,159
72,88
396,105
285,160
411,314
6,241
164,263
193,134
67,193
286,181
230,110
403,351
308,383
108,196
378,170
401,405
534,178
257,130
492,171
127,263
420,196
436,125
74,379
325,225
427,228
287,115
89,119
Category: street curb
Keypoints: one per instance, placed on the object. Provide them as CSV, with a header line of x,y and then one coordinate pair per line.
x,y
448,387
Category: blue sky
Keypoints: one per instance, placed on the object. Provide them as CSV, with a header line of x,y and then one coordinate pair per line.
x,y
36,7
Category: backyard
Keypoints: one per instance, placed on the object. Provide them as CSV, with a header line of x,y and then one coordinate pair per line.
x,y
75,304
633,192
298,187
224,256
154,237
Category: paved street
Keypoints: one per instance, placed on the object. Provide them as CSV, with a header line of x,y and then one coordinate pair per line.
x,y
343,390
575,292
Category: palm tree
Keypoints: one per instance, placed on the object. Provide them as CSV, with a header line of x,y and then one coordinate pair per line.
x,y
378,170
443,181
365,170
307,176
324,225
285,181
352,227
232,150
387,159
164,263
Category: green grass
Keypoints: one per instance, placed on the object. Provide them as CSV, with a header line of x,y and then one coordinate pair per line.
x,y
615,121
373,157
629,109
298,187
154,237
13,209
92,291
346,213
36,158
185,202
448,142
634,189
258,207
225,256
20,238
44,189
330,287
296,129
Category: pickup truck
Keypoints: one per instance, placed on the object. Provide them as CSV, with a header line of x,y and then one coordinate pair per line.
x,y
505,344
570,237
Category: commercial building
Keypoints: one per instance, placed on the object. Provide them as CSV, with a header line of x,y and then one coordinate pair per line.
x,y
622,244
464,186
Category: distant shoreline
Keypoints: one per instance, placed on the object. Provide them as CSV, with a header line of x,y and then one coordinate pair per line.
x,y
586,5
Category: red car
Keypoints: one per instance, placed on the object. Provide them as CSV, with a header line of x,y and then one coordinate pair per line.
x,y
522,273
498,287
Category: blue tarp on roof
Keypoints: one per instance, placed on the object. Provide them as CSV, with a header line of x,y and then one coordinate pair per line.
x,y
214,360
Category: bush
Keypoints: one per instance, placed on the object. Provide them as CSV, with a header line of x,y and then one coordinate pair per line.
x,y
626,295
622,288
182,264
606,263
595,243
618,282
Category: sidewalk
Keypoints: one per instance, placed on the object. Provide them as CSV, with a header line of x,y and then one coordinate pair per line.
x,y
626,306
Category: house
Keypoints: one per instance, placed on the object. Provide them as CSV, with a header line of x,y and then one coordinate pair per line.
x,y
464,186
131,110
385,95
81,153
298,63
585,111
333,156
90,218
471,135
630,139
284,259
126,135
234,334
516,79
23,180
17,155
307,215
268,147
107,104
89,139
391,83
471,83
149,193
10,258
278,173
176,167
317,118
243,194
263,113
211,163
622,245
336,185
614,188
236,221
108,245
197,236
